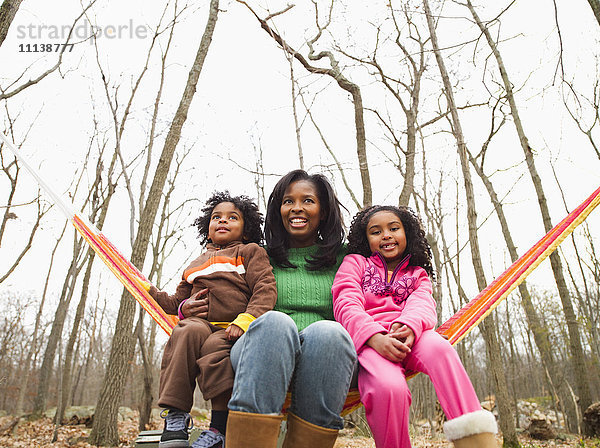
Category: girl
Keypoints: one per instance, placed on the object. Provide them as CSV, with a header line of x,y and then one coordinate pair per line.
x,y
382,295
232,280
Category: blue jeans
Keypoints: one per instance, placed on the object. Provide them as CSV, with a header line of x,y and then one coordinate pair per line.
x,y
315,364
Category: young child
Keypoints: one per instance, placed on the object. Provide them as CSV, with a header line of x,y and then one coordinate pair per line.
x,y
235,275
382,295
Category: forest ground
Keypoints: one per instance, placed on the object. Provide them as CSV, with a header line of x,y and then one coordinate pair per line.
x,y
39,433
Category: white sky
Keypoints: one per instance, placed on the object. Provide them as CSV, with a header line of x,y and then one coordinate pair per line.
x,y
244,101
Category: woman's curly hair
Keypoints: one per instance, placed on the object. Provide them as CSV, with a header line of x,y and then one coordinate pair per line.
x,y
416,242
253,219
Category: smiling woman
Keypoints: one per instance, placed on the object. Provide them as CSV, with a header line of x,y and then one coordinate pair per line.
x,y
301,213
298,347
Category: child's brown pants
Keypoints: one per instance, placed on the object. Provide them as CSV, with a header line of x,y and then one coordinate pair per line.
x,y
196,350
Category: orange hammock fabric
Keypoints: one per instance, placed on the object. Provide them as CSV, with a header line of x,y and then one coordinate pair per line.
x,y
455,328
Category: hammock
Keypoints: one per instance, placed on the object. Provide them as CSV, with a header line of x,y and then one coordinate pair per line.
x,y
455,328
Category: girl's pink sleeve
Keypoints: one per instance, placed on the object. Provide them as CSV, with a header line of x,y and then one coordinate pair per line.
x,y
349,301
419,313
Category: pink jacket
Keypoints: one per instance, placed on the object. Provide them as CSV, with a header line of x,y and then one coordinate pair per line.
x,y
365,303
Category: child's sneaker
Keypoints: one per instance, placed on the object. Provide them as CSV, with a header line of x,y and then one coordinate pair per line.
x,y
177,425
211,438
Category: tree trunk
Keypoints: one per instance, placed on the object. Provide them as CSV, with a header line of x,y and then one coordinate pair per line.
x,y
595,5
104,431
540,333
361,139
487,325
96,323
578,357
409,174
297,125
8,11
147,397
66,378
66,366
36,328
47,367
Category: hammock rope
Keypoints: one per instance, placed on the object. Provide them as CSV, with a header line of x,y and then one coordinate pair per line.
x,y
455,328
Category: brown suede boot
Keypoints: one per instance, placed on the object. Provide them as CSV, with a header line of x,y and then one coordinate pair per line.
x,y
302,434
482,440
247,430
473,430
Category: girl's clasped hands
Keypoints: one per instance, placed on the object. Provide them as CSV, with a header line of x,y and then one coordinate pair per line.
x,y
395,345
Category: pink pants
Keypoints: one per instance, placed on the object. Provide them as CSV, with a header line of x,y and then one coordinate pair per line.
x,y
385,394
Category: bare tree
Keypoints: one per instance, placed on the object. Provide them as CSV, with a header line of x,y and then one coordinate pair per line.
x,y
41,211
578,357
104,431
13,340
36,330
165,238
57,326
297,124
576,111
68,289
159,251
409,85
94,340
33,81
335,72
488,326
11,168
555,376
331,152
588,313
119,122
101,198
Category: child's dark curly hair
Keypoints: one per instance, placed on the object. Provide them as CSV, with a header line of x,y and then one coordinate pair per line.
x,y
253,219
416,242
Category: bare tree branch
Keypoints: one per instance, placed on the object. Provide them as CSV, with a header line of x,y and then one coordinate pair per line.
x,y
335,72
52,69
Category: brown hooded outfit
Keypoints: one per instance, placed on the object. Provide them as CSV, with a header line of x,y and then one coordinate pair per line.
x,y
241,288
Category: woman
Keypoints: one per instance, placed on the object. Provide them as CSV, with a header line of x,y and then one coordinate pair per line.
x,y
298,347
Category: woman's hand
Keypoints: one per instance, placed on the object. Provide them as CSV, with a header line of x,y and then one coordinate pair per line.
x,y
233,332
389,347
403,333
197,305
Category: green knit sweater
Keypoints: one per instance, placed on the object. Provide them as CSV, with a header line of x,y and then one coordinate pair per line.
x,y
305,295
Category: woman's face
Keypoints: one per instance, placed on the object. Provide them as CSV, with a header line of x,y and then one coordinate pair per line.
x,y
301,213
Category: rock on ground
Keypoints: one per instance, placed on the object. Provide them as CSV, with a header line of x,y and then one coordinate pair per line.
x,y
540,429
591,417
